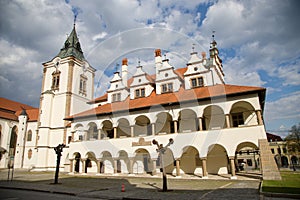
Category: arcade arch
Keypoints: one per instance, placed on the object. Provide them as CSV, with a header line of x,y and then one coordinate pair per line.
x,y
190,161
77,158
107,129
123,129
213,118
142,162
123,162
79,132
217,160
92,133
107,163
242,113
187,121
142,126
164,123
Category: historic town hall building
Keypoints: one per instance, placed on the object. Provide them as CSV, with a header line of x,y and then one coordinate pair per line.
x,y
208,120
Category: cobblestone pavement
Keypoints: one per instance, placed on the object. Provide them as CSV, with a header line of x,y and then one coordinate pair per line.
x,y
136,187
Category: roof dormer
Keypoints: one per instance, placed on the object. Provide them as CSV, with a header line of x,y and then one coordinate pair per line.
x,y
167,80
142,84
117,90
204,71
194,59
196,74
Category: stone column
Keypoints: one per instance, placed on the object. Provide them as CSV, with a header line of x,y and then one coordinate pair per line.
x,y
85,136
200,124
71,165
153,128
259,117
175,126
98,166
177,167
154,167
83,160
73,133
130,170
232,167
99,134
115,166
115,132
204,168
132,131
227,120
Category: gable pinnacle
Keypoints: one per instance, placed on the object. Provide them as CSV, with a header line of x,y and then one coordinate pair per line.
x,y
213,43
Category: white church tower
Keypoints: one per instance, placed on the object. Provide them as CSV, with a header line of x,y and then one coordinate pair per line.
x,y
68,84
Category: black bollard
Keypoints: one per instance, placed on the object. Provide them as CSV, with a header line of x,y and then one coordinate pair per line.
x,y
58,151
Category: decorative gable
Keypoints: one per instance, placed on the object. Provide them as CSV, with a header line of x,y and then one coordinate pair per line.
x,y
117,90
167,80
197,73
142,84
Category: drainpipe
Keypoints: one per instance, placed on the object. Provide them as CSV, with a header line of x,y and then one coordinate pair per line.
x,y
24,142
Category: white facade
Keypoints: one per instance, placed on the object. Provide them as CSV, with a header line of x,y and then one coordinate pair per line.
x,y
208,120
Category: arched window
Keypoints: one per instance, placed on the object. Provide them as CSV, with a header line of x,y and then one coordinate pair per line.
x,y
13,141
55,80
242,114
29,136
92,132
82,84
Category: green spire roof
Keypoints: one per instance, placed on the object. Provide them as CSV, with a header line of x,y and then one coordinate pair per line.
x,y
72,47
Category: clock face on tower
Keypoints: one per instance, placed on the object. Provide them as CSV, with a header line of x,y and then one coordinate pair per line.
x,y
56,62
85,66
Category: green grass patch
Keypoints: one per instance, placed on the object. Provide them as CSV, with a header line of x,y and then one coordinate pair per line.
x,y
290,183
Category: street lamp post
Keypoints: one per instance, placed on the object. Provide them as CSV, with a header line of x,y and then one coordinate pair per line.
x,y
58,151
161,150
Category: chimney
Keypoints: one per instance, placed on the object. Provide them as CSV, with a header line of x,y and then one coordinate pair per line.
x,y
158,60
203,55
124,71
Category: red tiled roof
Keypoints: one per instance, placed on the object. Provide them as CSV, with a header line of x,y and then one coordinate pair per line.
x,y
151,78
31,113
272,138
12,105
99,99
177,97
11,110
180,72
8,115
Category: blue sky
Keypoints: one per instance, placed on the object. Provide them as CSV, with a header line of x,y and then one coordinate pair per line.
x,y
258,43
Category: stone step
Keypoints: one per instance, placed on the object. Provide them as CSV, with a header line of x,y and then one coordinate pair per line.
x,y
269,168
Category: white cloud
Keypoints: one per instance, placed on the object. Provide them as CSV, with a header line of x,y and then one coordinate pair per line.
x,y
286,107
20,75
238,72
289,74
261,34
99,36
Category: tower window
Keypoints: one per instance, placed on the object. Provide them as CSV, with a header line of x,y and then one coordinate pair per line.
x,y
29,136
116,97
168,87
197,82
140,92
55,80
82,85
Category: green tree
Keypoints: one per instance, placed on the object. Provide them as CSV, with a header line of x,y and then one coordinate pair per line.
x,y
293,139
